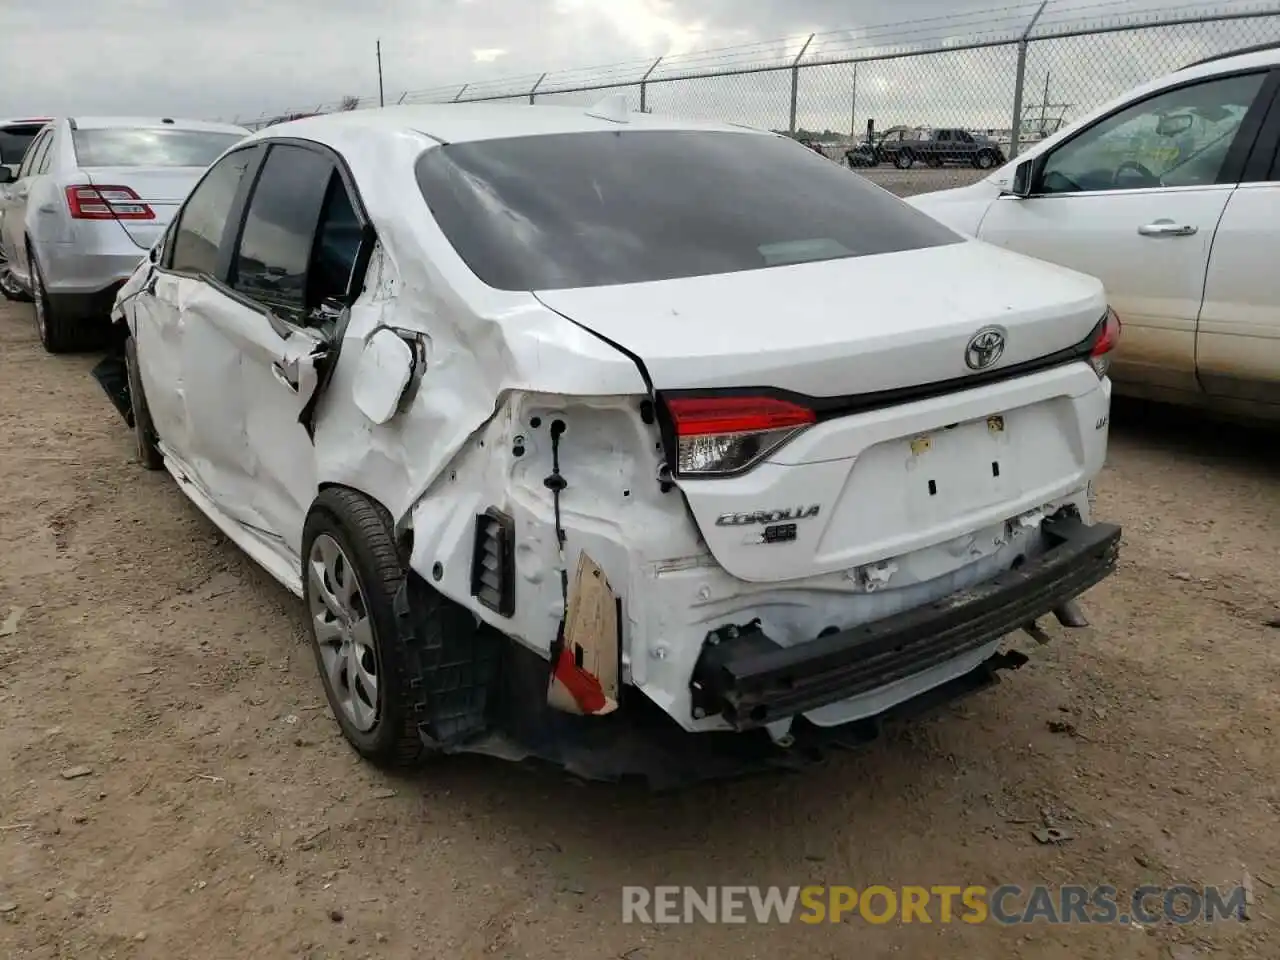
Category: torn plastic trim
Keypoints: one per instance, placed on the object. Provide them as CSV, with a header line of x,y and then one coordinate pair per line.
x,y
748,678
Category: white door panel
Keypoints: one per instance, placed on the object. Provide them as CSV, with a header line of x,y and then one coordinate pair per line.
x,y
1150,248
215,330
278,378
157,333
1238,348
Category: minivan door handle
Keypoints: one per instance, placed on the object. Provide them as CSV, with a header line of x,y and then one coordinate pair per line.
x,y
1167,228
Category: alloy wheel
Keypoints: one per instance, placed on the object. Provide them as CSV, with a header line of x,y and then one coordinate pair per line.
x,y
344,633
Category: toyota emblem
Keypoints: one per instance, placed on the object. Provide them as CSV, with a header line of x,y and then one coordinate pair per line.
x,y
985,348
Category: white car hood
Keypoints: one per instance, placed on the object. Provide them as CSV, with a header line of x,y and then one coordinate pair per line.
x,y
839,327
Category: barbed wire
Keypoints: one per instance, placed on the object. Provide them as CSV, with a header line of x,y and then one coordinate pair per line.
x,y
1031,23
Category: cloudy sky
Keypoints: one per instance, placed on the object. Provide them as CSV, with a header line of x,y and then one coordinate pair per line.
x,y
246,57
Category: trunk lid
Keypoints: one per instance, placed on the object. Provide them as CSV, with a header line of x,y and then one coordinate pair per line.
x,y
840,327
161,188
858,491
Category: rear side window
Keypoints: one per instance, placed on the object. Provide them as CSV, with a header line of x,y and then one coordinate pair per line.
x,y
14,142
300,237
204,217
31,163
599,208
147,147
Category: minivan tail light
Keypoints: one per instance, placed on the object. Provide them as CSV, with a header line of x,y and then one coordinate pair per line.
x,y
91,202
720,436
1108,338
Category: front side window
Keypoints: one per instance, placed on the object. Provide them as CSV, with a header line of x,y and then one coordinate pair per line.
x,y
150,147
599,208
204,217
1179,138
300,237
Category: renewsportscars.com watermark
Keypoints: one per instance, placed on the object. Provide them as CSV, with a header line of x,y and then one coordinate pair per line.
x,y
1007,905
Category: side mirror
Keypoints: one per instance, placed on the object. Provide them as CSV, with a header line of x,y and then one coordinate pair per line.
x,y
6,175
1175,124
1023,179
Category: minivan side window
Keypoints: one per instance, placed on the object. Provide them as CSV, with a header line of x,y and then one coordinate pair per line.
x,y
198,236
300,236
1179,138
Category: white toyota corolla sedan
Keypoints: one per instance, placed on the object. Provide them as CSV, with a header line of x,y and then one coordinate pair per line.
x,y
634,444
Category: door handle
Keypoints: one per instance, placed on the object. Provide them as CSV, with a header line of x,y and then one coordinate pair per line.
x,y
283,377
1167,228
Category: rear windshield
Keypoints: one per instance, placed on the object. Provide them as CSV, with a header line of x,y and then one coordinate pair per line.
x,y
592,209
147,147
14,142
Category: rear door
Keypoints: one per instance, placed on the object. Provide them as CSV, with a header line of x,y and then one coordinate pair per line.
x,y
292,273
1135,199
1238,343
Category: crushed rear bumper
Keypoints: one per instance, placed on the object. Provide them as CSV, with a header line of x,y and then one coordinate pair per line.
x,y
751,680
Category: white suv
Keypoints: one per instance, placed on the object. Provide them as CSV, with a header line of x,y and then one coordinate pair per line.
x,y
634,444
1171,196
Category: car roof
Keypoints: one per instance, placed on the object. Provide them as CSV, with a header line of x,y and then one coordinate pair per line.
x,y
1273,49
464,122
171,123
25,121
1267,55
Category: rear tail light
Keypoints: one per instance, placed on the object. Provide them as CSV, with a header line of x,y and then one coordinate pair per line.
x,y
1105,343
719,436
90,202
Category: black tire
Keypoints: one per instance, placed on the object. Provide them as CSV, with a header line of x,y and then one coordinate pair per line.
x,y
144,431
904,160
363,531
984,160
58,332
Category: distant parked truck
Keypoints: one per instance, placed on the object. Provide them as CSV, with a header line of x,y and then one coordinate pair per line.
x,y
936,147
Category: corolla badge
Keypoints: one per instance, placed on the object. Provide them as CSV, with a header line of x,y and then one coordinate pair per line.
x,y
767,516
985,348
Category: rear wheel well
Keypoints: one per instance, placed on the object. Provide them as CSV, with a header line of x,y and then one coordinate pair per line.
x,y
403,538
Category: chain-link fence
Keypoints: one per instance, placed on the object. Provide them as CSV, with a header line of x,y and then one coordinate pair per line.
x,y
1012,75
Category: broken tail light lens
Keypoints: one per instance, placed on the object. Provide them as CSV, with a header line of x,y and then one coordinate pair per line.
x,y
720,436
90,202
1104,345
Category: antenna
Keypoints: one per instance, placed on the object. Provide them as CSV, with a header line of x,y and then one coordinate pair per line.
x,y
612,108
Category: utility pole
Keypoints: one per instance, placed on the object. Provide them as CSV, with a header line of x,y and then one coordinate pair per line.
x,y
381,100
853,106
1044,105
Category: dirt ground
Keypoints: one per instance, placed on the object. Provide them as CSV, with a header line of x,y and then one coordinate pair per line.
x,y
223,816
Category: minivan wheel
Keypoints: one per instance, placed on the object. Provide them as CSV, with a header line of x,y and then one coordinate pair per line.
x,y
144,431
351,573
904,160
